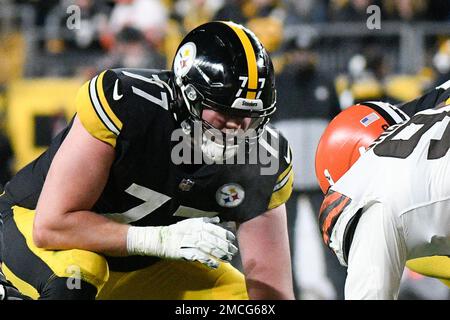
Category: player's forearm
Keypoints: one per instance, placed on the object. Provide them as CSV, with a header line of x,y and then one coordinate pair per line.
x,y
269,278
266,260
82,230
195,239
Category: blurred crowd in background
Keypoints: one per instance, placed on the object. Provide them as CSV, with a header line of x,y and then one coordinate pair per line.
x,y
325,54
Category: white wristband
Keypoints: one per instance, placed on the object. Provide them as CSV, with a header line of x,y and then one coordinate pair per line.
x,y
144,241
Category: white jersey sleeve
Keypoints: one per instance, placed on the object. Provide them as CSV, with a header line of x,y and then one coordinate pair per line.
x,y
377,256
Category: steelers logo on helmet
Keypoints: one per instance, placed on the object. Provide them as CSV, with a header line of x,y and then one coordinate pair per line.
x,y
230,195
184,59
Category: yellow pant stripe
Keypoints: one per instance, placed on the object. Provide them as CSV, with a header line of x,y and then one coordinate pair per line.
x,y
24,287
433,266
88,266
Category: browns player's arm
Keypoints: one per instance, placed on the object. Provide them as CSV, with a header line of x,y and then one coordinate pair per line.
x,y
264,245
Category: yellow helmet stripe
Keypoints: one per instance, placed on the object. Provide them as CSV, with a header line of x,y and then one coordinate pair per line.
x,y
252,84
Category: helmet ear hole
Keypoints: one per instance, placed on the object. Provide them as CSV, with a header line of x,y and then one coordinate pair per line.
x,y
191,93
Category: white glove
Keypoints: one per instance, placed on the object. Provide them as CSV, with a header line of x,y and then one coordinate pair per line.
x,y
191,239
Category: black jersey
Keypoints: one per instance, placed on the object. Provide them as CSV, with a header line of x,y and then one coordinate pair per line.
x,y
130,110
435,97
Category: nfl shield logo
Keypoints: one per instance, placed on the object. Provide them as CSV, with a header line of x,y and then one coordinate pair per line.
x,y
186,185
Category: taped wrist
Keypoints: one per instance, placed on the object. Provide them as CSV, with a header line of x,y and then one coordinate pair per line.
x,y
145,241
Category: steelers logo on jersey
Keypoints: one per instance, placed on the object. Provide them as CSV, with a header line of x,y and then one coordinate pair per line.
x,y
230,195
184,59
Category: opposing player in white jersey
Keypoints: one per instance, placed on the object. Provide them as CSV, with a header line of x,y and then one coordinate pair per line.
x,y
387,203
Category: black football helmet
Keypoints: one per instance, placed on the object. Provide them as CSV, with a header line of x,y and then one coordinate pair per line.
x,y
224,67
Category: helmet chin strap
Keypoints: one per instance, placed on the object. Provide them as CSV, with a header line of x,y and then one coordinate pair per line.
x,y
217,152
328,177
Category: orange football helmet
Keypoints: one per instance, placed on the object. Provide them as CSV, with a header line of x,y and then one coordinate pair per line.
x,y
347,137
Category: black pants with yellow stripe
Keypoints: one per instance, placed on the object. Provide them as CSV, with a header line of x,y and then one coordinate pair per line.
x,y
39,274
80,274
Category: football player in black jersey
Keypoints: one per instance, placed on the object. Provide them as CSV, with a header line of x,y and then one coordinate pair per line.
x,y
113,210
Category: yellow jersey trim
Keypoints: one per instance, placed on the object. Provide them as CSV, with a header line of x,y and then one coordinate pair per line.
x,y
283,188
284,174
89,117
104,103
